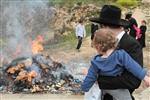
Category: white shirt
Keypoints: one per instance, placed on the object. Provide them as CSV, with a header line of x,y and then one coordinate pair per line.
x,y
80,30
120,35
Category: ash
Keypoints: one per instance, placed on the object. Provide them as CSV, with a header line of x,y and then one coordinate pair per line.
x,y
38,73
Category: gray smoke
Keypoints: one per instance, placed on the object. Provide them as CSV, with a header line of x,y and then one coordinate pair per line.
x,y
20,22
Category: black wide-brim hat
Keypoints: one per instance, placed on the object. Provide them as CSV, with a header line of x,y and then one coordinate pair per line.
x,y
110,15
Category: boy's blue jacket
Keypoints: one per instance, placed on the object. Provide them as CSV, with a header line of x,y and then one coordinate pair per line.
x,y
114,65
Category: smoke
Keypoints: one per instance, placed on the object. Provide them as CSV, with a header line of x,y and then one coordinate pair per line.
x,y
21,21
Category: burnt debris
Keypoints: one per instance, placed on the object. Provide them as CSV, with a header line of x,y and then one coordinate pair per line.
x,y
38,73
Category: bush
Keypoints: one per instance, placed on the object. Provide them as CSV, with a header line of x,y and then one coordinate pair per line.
x,y
71,3
127,2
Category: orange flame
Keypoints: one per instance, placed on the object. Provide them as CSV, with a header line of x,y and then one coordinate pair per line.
x,y
31,75
37,46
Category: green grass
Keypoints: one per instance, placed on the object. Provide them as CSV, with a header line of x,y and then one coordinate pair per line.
x,y
88,30
71,3
68,41
127,3
65,41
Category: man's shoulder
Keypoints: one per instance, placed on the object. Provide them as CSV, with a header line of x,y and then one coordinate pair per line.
x,y
133,19
127,42
128,39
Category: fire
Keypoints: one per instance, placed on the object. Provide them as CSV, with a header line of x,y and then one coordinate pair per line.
x,y
37,46
24,75
31,75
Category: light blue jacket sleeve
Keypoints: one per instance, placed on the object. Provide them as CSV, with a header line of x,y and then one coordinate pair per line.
x,y
91,78
132,66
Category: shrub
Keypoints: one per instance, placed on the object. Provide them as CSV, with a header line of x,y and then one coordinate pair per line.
x,y
127,2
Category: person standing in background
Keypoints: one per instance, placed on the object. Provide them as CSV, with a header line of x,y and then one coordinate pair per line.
x,y
143,29
94,27
132,24
80,33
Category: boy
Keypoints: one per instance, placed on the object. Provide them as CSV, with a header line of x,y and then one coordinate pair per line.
x,y
80,33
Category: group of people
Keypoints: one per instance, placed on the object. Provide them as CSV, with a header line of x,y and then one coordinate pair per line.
x,y
131,28
118,67
134,31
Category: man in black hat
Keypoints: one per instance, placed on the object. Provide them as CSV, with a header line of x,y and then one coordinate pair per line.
x,y
110,18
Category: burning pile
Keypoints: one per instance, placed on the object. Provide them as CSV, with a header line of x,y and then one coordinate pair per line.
x,y
38,74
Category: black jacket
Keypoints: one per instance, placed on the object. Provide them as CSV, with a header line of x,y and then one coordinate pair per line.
x,y
93,29
132,22
142,39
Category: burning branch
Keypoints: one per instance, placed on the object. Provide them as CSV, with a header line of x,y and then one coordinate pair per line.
x,y
37,46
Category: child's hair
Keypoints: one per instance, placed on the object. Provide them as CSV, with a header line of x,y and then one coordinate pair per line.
x,y
128,15
143,21
105,39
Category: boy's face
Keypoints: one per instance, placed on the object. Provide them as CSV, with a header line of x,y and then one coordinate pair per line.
x,y
143,23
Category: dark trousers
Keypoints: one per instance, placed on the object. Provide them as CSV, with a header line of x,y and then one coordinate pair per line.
x,y
79,42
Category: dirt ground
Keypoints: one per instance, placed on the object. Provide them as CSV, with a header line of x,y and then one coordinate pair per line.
x,y
39,97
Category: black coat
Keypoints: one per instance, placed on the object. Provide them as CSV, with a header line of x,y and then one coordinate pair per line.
x,y
142,39
126,80
94,27
132,22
